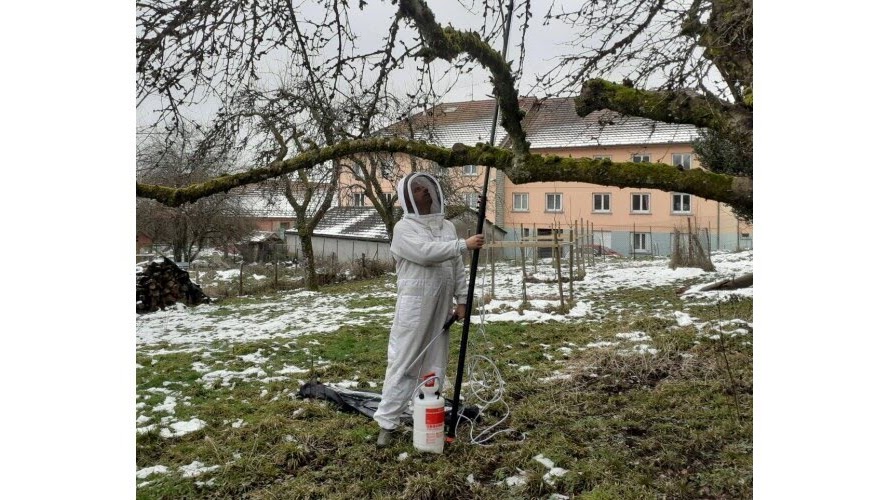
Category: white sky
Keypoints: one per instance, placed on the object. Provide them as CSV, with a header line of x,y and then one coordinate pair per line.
x,y
68,377
372,24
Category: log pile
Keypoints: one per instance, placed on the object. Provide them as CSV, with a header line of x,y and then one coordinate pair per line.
x,y
162,283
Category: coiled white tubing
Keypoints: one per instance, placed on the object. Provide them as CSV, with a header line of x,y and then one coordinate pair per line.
x,y
486,386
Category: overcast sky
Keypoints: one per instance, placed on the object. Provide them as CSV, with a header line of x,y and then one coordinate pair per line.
x,y
543,46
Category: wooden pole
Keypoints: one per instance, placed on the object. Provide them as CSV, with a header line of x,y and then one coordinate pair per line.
x,y
585,245
651,243
241,280
556,235
521,240
602,244
579,247
535,252
571,266
524,279
592,241
562,300
632,234
491,261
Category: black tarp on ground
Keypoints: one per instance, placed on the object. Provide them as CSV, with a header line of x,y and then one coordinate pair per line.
x,y
366,403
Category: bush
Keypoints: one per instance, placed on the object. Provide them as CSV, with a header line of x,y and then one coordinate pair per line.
x,y
365,268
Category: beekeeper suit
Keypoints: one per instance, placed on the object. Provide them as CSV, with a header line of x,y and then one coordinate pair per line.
x,y
431,277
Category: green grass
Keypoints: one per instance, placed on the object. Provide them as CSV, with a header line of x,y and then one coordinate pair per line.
x,y
674,424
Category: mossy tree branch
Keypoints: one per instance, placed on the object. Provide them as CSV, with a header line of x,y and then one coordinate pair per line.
x,y
734,191
482,155
448,43
730,120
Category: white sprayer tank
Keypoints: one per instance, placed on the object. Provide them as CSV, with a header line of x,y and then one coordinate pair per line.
x,y
429,417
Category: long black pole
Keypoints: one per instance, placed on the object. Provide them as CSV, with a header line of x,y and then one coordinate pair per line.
x,y
480,226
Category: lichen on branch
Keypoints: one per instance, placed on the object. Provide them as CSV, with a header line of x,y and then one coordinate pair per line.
x,y
734,191
447,43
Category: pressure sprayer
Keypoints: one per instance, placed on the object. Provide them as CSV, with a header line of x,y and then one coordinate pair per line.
x,y
429,416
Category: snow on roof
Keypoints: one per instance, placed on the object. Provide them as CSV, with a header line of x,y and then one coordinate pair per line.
x,y
466,122
259,203
358,223
261,236
361,223
549,123
555,124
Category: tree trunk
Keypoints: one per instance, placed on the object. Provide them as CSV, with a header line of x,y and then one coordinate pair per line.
x,y
309,257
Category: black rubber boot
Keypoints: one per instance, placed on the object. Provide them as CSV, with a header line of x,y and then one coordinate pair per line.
x,y
385,437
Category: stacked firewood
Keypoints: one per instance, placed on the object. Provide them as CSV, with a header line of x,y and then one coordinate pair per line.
x,y
162,283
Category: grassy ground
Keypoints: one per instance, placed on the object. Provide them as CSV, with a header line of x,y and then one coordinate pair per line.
x,y
630,405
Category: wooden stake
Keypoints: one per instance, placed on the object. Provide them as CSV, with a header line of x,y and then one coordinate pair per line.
x,y
579,248
562,300
491,260
522,257
571,266
603,243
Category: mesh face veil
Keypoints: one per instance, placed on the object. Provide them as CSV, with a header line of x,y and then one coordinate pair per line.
x,y
406,192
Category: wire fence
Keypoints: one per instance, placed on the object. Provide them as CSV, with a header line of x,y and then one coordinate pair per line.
x,y
569,251
221,276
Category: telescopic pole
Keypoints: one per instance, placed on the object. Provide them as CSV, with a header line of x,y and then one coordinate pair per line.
x,y
480,226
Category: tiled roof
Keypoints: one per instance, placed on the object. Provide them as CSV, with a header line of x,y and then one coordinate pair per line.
x,y
549,123
467,122
259,203
262,236
555,124
361,223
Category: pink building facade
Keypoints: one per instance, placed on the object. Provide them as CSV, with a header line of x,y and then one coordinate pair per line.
x,y
630,221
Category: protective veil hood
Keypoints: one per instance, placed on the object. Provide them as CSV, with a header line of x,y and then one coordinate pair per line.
x,y
405,189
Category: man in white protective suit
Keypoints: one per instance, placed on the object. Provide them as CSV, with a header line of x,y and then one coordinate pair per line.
x,y
431,278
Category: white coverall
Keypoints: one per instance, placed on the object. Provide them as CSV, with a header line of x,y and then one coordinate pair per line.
x,y
430,275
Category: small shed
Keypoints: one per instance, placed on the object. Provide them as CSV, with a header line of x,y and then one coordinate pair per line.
x,y
350,232
260,246
347,233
